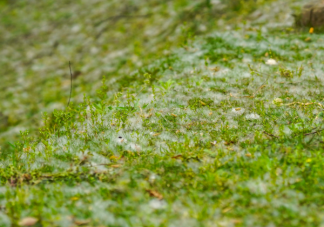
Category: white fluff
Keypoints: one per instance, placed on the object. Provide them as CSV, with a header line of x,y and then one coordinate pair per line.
x,y
252,116
271,62
238,111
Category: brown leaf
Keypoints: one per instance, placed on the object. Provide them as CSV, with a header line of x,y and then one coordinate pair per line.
x,y
116,165
28,221
81,222
236,221
147,115
177,156
27,177
155,194
216,69
12,182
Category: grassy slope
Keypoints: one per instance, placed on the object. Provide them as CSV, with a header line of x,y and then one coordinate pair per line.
x,y
203,142
101,38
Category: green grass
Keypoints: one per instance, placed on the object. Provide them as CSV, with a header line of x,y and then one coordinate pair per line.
x,y
208,135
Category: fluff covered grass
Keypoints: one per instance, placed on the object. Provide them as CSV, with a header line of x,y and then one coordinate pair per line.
x,y
208,141
209,135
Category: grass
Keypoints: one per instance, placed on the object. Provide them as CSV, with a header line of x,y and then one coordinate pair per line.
x,y
103,39
211,134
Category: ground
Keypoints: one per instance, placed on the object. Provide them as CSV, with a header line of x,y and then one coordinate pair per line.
x,y
222,130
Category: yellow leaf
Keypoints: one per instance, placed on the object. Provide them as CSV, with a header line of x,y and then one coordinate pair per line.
x,y
202,103
311,30
114,157
74,198
226,210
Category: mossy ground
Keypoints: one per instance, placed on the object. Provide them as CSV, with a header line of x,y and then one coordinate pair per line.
x,y
211,134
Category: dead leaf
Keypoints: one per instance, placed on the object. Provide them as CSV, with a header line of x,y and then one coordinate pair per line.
x,y
226,210
27,177
28,221
177,156
148,115
213,143
216,69
26,149
236,221
81,222
202,103
116,166
114,157
12,182
155,194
